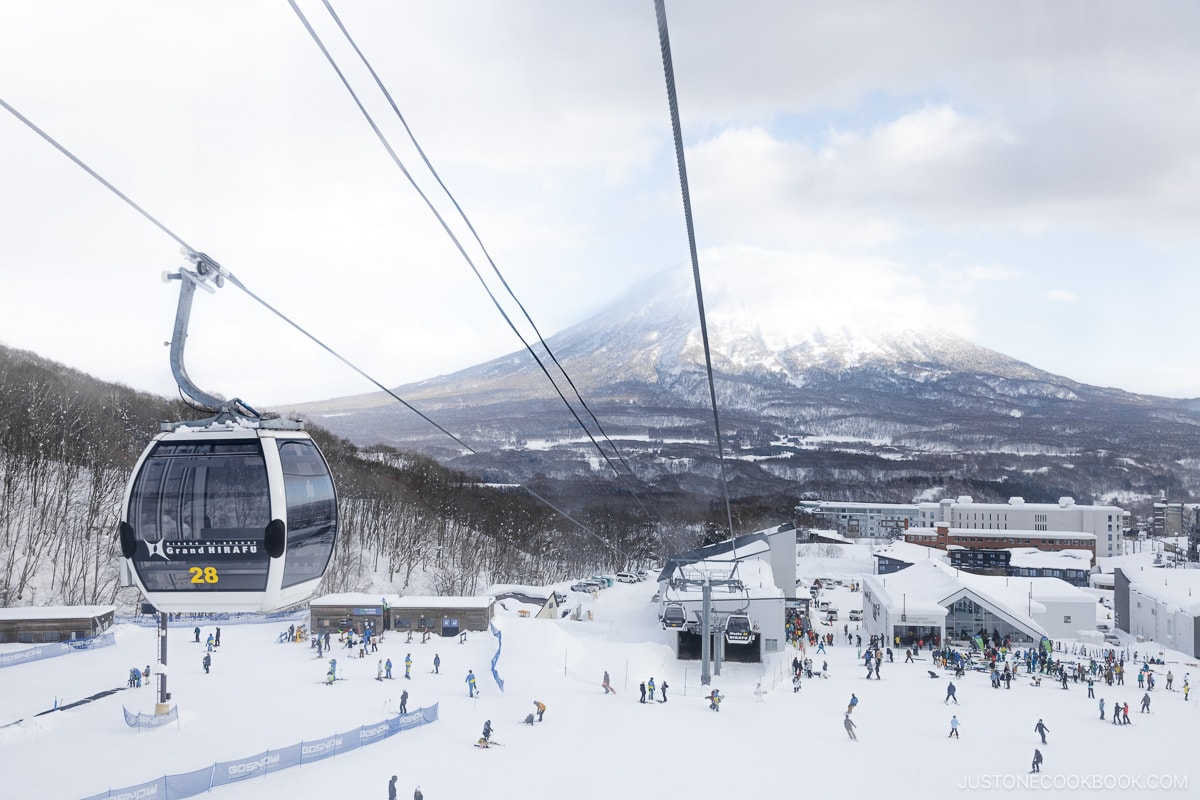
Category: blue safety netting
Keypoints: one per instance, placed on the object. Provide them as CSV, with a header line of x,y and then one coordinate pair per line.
x,y
173,787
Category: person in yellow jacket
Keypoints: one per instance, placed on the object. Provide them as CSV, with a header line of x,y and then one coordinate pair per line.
x,y
541,708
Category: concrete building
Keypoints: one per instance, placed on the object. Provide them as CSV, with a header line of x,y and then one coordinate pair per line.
x,y
1104,523
1160,605
752,576
862,520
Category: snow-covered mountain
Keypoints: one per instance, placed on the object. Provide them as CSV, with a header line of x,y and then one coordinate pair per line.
x,y
812,400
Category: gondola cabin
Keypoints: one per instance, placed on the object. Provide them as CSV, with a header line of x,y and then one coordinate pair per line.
x,y
738,629
674,617
237,515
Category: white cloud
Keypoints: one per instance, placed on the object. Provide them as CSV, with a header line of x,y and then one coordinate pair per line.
x,y
1062,296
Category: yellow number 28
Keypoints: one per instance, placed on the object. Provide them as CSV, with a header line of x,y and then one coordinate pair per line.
x,y
204,574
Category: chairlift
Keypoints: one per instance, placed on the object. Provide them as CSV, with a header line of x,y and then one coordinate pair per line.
x,y
738,629
674,617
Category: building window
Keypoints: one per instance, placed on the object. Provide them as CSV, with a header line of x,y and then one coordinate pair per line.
x,y
1066,620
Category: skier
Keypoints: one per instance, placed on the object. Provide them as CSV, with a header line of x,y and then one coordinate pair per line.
x,y
541,708
1146,703
417,794
408,667
207,662
953,727
650,688
437,664
1041,729
642,689
608,689
665,686
404,702
392,788
1125,715
714,700
470,683
196,632
1090,684
487,731
217,639
379,670
850,726
853,702
387,669
1101,709
1037,760
950,690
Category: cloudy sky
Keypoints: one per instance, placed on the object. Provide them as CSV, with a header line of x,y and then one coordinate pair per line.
x,y
1026,174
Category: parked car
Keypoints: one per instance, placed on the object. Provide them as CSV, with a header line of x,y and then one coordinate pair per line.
x,y
1112,638
855,615
584,586
831,614
627,577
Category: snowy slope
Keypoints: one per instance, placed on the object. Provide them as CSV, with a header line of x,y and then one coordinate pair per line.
x,y
262,694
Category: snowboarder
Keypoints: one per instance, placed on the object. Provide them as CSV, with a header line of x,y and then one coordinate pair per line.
x,y
408,667
853,703
1037,760
953,727
487,731
950,690
387,669
1146,703
642,689
207,662
541,708
650,688
392,788
209,642
850,726
470,683
197,634
665,686
217,638
1042,730
606,685
437,664
528,719
1091,683
404,702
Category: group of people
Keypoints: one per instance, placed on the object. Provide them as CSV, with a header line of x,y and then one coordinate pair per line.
x,y
136,676
645,688
392,790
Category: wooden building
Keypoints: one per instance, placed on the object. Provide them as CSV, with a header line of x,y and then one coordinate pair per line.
x,y
48,624
443,616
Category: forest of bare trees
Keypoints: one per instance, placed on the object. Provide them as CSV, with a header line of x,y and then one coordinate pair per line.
x,y
68,443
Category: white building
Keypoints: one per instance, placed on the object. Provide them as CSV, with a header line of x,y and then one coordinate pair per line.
x,y
931,598
1160,605
1106,523
862,520
752,575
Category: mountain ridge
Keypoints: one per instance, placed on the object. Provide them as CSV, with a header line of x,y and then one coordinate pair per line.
x,y
798,403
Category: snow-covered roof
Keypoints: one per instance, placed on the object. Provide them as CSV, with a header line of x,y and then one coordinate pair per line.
x,y
1010,533
55,612
1032,558
442,601
757,580
354,599
909,552
1179,588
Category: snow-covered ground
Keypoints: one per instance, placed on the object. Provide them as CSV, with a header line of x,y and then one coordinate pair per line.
x,y
262,694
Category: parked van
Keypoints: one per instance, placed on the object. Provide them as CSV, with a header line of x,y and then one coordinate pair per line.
x,y
627,577
823,605
855,615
